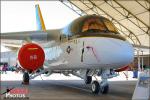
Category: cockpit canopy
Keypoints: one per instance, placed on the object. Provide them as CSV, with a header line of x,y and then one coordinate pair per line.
x,y
92,23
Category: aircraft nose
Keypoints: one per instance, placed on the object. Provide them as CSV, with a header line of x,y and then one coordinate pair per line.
x,y
125,54
107,51
114,51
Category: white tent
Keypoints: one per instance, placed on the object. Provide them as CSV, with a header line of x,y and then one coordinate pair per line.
x,y
131,17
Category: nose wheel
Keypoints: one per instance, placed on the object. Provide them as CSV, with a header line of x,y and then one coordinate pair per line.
x,y
102,87
95,87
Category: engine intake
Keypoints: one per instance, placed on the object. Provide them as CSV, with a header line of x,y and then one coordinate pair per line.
x,y
31,57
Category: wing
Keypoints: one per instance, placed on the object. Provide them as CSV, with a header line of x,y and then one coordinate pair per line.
x,y
16,39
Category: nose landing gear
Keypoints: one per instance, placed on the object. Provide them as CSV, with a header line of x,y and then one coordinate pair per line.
x,y
102,87
95,87
88,79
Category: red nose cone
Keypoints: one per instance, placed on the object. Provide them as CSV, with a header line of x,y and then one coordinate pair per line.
x,y
31,56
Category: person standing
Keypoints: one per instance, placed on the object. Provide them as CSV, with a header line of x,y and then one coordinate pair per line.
x,y
4,69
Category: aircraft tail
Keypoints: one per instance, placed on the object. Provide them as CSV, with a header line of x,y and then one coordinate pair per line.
x,y
39,19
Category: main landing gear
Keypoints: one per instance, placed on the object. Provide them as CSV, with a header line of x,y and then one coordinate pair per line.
x,y
26,78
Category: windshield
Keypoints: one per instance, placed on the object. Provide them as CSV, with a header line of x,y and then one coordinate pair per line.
x,y
98,25
110,26
93,24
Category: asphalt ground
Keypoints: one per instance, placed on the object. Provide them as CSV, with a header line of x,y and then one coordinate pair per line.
x,y
69,90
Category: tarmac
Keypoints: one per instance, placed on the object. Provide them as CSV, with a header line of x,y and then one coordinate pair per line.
x,y
74,89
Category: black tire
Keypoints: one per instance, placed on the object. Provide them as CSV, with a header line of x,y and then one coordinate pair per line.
x,y
88,79
104,89
95,87
26,77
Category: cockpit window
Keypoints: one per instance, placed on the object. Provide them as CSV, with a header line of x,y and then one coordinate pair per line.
x,y
110,26
93,24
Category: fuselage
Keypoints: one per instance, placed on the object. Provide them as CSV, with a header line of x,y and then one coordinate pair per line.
x,y
90,52
89,42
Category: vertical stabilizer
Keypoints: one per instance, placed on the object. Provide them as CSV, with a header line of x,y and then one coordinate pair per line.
x,y
39,19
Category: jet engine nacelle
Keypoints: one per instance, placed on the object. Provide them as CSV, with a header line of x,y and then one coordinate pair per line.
x,y
31,57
